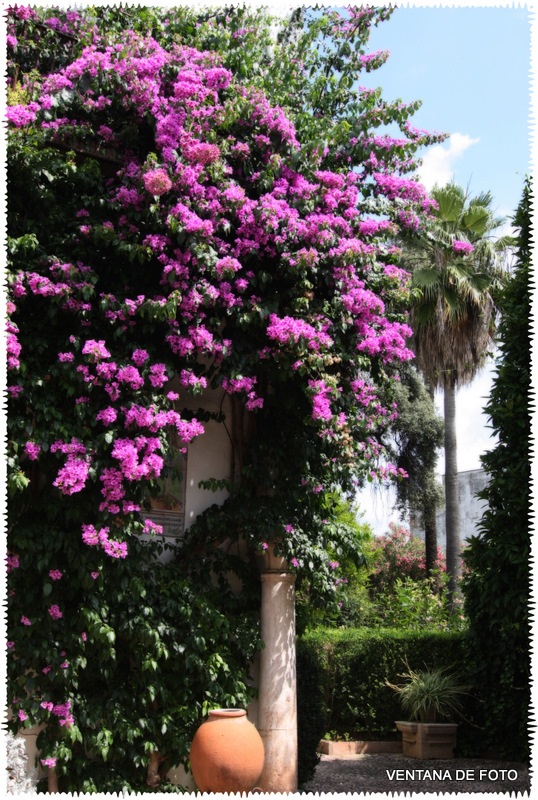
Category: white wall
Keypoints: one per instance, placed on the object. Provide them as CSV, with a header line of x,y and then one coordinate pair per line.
x,y
471,508
209,455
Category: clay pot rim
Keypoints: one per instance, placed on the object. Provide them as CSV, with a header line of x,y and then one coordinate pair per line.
x,y
228,712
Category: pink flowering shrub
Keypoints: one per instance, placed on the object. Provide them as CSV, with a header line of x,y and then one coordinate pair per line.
x,y
399,555
173,230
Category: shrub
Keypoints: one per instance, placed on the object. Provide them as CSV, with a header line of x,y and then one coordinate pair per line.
x,y
497,588
355,665
416,604
430,695
399,554
311,713
393,589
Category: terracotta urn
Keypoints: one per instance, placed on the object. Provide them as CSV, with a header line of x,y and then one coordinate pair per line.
x,y
227,752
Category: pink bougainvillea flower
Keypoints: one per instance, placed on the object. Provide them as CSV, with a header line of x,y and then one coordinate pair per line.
x,y
55,612
32,450
151,527
157,182
462,247
289,528
140,357
96,349
72,476
12,562
107,415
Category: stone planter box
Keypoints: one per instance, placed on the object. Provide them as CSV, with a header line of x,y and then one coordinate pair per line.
x,y
428,739
357,748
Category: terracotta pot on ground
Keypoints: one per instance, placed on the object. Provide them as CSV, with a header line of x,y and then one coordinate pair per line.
x,y
227,752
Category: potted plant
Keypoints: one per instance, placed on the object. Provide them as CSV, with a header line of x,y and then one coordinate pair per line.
x,y
427,697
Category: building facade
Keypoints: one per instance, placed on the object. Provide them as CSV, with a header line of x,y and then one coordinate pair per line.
x,y
471,508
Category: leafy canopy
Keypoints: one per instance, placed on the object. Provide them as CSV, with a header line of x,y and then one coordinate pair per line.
x,y
174,231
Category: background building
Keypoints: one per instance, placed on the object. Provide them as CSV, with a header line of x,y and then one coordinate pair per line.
x,y
470,483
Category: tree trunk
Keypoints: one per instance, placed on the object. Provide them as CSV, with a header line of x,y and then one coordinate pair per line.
x,y
430,531
453,544
429,509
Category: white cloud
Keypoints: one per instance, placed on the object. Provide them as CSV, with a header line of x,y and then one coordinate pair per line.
x,y
438,163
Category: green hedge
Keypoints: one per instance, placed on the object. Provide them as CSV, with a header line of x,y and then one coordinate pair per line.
x,y
341,677
311,710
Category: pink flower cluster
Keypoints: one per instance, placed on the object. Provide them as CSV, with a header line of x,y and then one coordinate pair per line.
x,y
112,548
72,476
320,400
61,710
55,612
462,247
202,152
152,527
157,181
32,450
288,330
13,348
12,562
95,349
246,385
394,186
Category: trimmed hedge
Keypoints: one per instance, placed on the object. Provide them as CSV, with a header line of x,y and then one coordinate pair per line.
x,y
341,687
311,712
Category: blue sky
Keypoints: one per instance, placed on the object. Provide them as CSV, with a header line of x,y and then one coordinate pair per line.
x,y
470,66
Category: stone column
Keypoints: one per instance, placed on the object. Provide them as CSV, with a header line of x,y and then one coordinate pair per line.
x,y
277,701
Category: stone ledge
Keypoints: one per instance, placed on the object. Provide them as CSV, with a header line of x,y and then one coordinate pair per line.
x,y
357,748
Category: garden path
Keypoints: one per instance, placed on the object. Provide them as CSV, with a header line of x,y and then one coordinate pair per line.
x,y
394,773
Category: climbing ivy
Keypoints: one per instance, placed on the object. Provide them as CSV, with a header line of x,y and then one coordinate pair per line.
x,y
497,587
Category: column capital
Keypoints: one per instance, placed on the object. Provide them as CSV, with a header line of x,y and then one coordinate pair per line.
x,y
277,575
269,562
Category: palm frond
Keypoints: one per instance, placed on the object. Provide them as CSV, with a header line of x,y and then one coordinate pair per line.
x,y
453,312
476,220
426,278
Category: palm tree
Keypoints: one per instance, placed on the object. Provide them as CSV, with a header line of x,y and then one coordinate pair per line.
x,y
456,268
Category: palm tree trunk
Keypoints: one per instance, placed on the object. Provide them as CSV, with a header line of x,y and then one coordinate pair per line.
x,y
430,532
453,544
429,509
